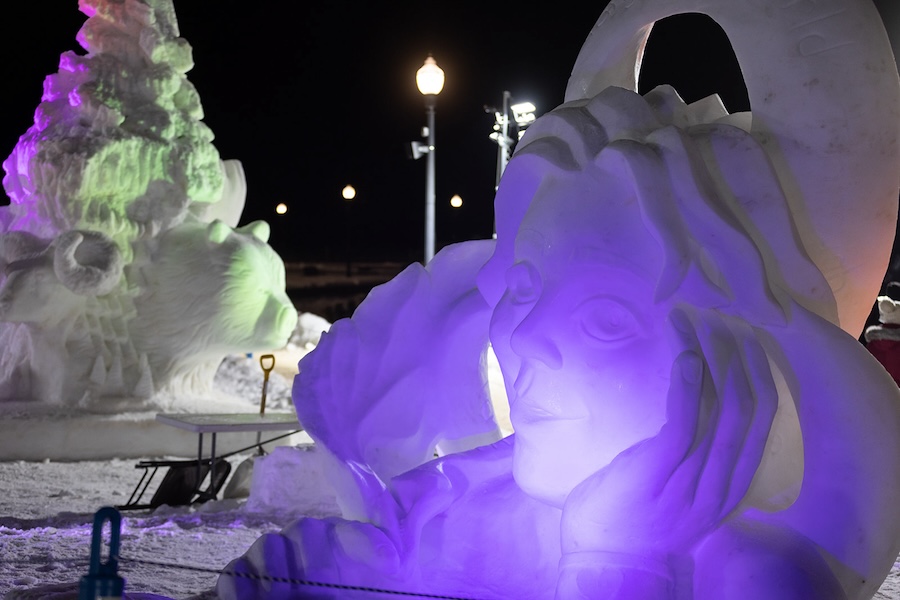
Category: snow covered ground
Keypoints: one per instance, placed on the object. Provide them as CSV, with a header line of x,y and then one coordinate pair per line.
x,y
47,508
45,533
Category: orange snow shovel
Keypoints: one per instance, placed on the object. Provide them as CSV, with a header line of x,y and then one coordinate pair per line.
x,y
267,362
239,486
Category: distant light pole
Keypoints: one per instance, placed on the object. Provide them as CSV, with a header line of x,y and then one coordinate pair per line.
x,y
430,81
456,203
348,194
523,116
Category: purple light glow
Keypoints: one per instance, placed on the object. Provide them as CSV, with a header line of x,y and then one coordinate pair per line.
x,y
74,98
671,381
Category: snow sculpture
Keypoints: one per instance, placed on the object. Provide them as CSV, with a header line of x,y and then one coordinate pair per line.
x,y
666,302
122,276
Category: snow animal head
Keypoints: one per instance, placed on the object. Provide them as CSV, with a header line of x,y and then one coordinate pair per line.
x,y
208,289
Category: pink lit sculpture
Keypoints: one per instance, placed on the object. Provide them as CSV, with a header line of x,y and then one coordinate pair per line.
x,y
674,298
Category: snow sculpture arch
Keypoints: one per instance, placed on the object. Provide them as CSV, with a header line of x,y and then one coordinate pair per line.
x,y
817,153
692,419
124,279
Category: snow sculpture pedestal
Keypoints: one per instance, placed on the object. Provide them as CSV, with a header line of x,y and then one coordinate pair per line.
x,y
674,298
124,279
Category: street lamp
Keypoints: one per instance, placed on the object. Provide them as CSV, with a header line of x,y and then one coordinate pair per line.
x,y
430,81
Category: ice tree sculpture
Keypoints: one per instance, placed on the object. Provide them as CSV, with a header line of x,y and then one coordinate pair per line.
x,y
674,299
123,281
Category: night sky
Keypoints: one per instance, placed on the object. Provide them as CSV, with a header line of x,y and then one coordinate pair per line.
x,y
313,96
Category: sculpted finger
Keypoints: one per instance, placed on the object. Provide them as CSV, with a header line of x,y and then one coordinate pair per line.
x,y
736,409
691,386
765,404
683,406
680,487
693,416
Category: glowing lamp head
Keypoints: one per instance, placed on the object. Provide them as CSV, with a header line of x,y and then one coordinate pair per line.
x,y
348,193
456,201
281,208
430,78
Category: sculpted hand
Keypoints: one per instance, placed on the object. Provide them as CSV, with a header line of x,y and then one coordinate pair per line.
x,y
662,495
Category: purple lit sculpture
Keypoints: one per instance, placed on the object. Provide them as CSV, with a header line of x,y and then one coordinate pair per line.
x,y
674,298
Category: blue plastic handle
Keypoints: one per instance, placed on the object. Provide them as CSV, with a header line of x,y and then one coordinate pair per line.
x,y
102,580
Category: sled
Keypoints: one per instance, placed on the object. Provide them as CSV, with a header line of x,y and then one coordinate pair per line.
x,y
182,483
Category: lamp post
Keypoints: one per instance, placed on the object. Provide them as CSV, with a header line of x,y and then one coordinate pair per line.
x,y
456,203
348,194
523,115
430,81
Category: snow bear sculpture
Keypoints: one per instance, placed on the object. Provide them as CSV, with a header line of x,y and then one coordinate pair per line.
x,y
208,290
123,281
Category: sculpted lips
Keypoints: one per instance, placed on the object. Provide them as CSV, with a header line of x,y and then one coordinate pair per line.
x,y
533,407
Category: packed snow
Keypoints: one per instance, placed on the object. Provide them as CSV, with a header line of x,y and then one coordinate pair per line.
x,y
47,510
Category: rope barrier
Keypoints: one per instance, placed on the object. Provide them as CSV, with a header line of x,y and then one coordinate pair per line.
x,y
244,575
103,580
289,580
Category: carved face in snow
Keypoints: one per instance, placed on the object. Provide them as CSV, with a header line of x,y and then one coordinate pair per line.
x,y
583,347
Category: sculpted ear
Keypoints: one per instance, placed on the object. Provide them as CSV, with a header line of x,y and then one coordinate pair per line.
x,y
258,229
217,232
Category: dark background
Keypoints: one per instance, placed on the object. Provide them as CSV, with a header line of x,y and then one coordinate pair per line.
x,y
314,96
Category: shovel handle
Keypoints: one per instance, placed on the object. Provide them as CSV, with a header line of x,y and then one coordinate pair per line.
x,y
267,362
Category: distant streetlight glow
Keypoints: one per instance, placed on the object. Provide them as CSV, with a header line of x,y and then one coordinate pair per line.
x,y
430,80
281,208
349,192
456,201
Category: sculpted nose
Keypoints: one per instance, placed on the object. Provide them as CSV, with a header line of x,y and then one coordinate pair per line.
x,y
533,339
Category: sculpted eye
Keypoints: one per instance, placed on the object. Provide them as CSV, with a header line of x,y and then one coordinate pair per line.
x,y
523,283
607,320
